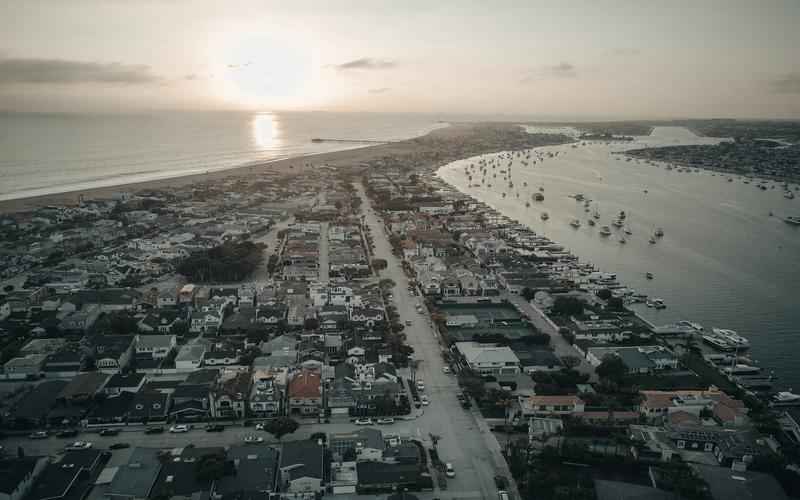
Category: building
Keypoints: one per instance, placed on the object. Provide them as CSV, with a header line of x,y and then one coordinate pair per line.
x,y
129,382
255,477
365,444
301,473
489,359
229,396
550,405
155,346
18,474
265,395
190,357
67,478
305,393
725,483
135,479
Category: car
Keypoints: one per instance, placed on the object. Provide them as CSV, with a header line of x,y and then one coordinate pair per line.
x,y
78,445
448,470
260,426
385,421
109,432
253,439
502,495
363,421
408,322
445,369
119,446
215,428
38,435
175,429
67,433
154,430
424,400
420,385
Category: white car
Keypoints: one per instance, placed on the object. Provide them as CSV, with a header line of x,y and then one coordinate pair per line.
x,y
424,400
79,445
448,470
175,429
363,421
253,439
446,369
385,421
408,322
420,385
259,427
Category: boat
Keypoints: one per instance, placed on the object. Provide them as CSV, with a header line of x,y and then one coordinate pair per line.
x,y
659,233
618,223
628,231
788,195
538,197
652,240
718,343
741,369
690,324
605,231
596,214
656,303
544,216
622,240
785,398
649,275
793,220
621,215
591,222
731,337
575,223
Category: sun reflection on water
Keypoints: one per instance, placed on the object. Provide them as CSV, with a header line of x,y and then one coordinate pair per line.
x,y
266,131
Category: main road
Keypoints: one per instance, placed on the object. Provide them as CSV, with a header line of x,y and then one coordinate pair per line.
x,y
472,450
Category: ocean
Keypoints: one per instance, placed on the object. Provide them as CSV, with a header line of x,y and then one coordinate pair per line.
x,y
723,261
50,153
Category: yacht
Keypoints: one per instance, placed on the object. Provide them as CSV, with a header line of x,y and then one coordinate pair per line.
x,y
793,220
622,215
544,216
618,223
785,398
659,233
605,231
741,369
788,195
628,231
656,303
538,197
652,240
649,276
575,223
591,222
718,343
696,326
732,338
622,240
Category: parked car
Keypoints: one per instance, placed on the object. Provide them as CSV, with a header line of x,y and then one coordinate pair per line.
x,y
446,369
448,470
424,400
154,430
260,426
501,482
179,428
363,421
67,433
408,322
253,439
78,445
38,435
215,428
109,432
502,495
420,385
119,446
385,421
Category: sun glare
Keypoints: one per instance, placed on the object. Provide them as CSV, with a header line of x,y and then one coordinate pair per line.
x,y
266,133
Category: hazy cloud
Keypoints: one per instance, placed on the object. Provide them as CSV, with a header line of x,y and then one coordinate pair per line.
x,y
626,52
380,90
560,70
61,71
366,63
787,84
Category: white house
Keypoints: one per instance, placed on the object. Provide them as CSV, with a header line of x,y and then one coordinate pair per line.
x,y
489,359
157,346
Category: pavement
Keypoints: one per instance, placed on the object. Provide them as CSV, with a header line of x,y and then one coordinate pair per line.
x,y
470,447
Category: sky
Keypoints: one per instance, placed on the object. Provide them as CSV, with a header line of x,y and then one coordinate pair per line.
x,y
609,59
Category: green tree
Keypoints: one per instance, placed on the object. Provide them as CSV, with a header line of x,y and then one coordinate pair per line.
x,y
604,294
379,264
612,368
567,306
615,304
281,426
528,293
386,284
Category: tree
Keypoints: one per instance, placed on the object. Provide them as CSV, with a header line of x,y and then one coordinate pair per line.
x,y
210,467
379,264
615,304
604,293
612,368
179,328
311,324
528,293
567,306
570,362
281,426
386,284
8,288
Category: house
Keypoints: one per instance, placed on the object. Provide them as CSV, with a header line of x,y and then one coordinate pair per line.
x,y
301,472
729,412
84,386
550,405
271,314
18,474
229,396
159,321
149,406
32,409
365,444
462,320
536,360
190,357
190,402
618,490
305,393
489,359
638,360
725,483
204,321
265,395
25,366
135,479
366,316
129,382
155,346
376,477
256,470
178,479
110,410
61,480
221,357
112,352
167,298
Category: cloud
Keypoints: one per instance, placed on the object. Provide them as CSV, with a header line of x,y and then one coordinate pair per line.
x,y
787,84
366,63
381,90
61,71
560,70
626,52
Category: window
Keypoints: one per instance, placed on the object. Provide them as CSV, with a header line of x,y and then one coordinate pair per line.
x,y
681,444
709,447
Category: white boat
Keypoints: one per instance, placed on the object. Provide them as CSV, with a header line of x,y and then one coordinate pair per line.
x,y
732,338
628,231
575,223
785,398
605,231
741,369
718,343
659,233
618,223
696,326
793,220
